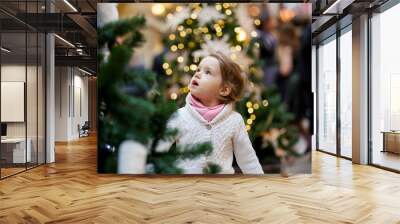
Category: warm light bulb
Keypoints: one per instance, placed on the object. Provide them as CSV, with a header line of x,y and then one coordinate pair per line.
x,y
165,65
182,33
249,121
193,67
241,35
186,68
158,9
248,127
174,48
256,106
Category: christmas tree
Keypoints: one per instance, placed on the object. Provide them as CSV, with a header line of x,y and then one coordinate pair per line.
x,y
196,30
133,110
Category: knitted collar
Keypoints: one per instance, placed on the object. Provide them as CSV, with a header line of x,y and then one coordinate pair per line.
x,y
228,108
208,113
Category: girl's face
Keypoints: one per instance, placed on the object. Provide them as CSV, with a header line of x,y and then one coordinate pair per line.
x,y
206,83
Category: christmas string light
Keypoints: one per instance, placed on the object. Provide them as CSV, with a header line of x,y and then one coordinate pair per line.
x,y
158,9
186,68
249,121
248,127
174,48
182,33
193,67
165,65
241,36
174,96
256,106
193,16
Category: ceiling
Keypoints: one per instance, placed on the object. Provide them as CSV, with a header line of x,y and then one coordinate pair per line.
x,y
75,21
72,20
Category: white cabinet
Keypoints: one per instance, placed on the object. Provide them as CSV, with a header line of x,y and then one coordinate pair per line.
x,y
19,154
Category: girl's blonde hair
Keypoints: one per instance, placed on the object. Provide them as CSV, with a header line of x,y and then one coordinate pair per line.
x,y
232,77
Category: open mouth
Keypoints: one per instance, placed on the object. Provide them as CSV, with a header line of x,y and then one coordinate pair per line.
x,y
195,83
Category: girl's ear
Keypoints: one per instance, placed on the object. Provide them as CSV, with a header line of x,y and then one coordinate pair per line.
x,y
225,91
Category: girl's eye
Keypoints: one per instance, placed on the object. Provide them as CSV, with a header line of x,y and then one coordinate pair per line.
x,y
208,72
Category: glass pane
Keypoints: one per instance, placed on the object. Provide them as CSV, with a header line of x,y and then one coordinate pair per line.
x,y
41,98
346,94
31,97
385,84
13,86
327,96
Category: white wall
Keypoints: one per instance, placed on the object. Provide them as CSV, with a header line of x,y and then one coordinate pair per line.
x,y
12,73
71,94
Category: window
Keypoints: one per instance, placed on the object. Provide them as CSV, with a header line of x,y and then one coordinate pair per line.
x,y
385,89
327,96
346,92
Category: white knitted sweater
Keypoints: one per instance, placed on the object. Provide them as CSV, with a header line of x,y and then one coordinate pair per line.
x,y
226,132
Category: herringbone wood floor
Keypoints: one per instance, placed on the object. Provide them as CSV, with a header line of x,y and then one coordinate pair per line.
x,y
70,191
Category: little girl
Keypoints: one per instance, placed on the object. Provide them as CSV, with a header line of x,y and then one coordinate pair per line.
x,y
209,116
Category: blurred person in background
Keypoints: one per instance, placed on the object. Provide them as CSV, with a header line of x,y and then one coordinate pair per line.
x,y
287,55
268,43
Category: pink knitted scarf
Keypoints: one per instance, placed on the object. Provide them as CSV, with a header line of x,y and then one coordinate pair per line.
x,y
208,113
